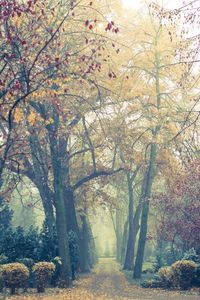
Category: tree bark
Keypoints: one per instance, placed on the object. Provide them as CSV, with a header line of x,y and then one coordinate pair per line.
x,y
92,247
119,234
124,242
128,264
85,244
61,222
63,246
148,182
39,176
47,203
72,223
70,210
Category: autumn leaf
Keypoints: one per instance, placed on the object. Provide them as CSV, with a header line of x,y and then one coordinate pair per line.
x,y
18,116
32,118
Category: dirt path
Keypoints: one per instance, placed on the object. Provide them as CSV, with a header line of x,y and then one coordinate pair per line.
x,y
108,283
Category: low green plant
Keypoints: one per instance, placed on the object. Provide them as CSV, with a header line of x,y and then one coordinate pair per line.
x,y
3,259
191,254
196,281
58,263
73,251
28,262
1,279
151,283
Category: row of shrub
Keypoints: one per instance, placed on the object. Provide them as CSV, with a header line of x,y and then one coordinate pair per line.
x,y
17,275
168,256
35,245
39,245
182,274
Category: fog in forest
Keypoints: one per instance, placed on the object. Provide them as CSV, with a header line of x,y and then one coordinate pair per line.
x,y
99,149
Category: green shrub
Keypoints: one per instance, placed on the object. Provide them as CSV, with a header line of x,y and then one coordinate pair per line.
x,y
1,279
191,254
152,283
148,270
48,243
28,262
58,263
166,276
3,259
196,281
73,251
184,273
14,275
43,272
170,257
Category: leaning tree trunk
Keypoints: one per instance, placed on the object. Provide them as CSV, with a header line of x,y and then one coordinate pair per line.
x,y
39,176
47,202
148,182
128,264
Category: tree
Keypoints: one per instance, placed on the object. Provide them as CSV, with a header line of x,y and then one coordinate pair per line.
x,y
58,75
156,96
178,209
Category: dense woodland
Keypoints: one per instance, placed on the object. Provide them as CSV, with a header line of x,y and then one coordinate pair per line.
x,y
99,130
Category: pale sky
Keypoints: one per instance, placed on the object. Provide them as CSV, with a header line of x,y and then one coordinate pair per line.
x,y
165,3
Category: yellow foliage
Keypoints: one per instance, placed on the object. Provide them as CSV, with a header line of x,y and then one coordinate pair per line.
x,y
14,274
17,20
43,271
19,115
32,118
49,121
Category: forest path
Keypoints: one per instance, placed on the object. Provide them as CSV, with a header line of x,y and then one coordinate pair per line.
x,y
107,283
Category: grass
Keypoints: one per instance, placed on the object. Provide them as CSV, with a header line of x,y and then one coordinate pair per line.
x,y
146,276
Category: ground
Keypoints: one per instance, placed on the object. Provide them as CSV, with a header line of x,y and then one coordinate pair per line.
x,y
108,283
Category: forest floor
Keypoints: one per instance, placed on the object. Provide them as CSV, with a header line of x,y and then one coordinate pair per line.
x,y
107,283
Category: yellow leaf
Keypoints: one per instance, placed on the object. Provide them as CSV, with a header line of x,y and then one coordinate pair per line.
x,y
32,118
18,115
49,121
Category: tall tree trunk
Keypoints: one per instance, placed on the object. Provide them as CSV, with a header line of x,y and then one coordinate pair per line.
x,y
148,178
148,182
128,264
92,247
136,226
39,176
70,210
61,226
72,223
85,244
61,222
124,242
47,203
119,234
